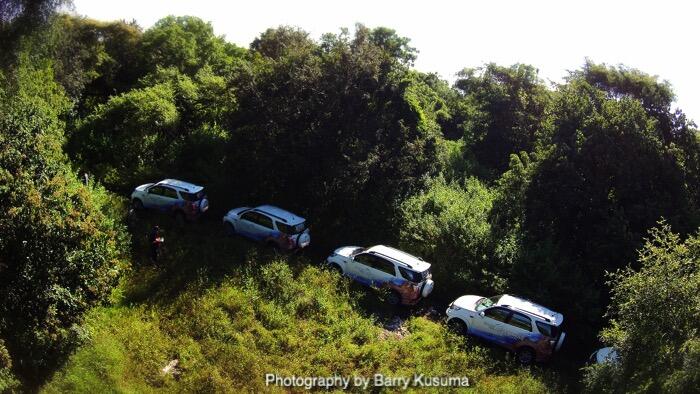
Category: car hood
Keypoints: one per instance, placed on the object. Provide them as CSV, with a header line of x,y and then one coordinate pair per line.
x,y
345,251
467,302
143,187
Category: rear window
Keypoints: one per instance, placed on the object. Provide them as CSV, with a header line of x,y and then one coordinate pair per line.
x,y
192,196
547,329
291,230
412,276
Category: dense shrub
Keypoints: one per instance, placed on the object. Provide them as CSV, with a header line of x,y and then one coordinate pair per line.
x,y
448,225
655,324
59,248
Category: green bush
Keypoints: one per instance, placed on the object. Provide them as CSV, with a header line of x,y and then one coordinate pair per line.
x,y
449,226
655,324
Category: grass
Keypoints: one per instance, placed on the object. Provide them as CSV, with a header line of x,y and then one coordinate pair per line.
x,y
239,311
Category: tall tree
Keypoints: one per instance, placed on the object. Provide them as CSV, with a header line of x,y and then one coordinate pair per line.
x,y
60,248
500,112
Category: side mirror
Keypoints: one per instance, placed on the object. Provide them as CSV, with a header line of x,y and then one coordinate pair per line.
x,y
482,314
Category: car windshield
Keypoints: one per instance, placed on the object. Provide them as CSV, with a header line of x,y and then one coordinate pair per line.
x,y
291,230
357,251
192,196
487,302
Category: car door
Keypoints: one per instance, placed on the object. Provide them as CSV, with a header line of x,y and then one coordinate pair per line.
x,y
381,271
263,227
246,225
359,268
491,326
168,199
519,327
153,197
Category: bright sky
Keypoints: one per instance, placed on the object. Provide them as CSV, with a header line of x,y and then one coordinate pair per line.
x,y
659,38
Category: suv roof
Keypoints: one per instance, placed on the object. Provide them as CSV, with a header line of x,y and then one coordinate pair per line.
x,y
186,186
403,258
279,213
529,307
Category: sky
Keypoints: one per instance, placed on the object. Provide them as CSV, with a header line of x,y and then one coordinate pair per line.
x,y
659,38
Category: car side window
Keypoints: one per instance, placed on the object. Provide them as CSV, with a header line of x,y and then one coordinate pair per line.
x,y
157,190
364,258
264,221
170,193
521,321
499,314
383,265
249,216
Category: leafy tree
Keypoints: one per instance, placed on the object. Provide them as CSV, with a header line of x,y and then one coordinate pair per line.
x,y
500,112
93,60
656,97
188,44
599,179
59,249
124,140
19,18
332,126
655,324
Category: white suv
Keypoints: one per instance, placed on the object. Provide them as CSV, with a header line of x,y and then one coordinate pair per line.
x,y
528,329
407,277
269,224
183,199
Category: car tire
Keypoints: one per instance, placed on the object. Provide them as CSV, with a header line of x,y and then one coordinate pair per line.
x,y
230,229
137,204
336,268
458,326
526,355
393,298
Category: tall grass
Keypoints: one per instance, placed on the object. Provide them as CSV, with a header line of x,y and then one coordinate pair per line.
x,y
266,319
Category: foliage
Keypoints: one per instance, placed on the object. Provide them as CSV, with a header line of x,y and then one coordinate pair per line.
x,y
600,177
500,112
655,324
94,60
266,318
8,382
188,44
59,249
504,183
449,226
127,137
21,18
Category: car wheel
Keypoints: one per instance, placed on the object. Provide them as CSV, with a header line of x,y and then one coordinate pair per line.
x,y
393,298
336,268
458,326
230,229
137,204
526,355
